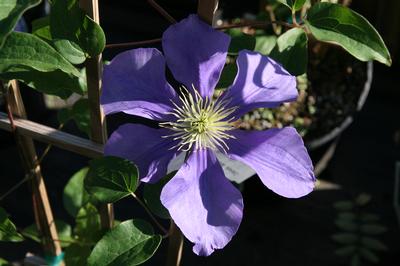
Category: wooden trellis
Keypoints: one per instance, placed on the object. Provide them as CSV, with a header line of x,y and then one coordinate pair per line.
x,y
26,132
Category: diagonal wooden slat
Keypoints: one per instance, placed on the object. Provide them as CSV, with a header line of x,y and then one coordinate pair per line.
x,y
26,148
53,136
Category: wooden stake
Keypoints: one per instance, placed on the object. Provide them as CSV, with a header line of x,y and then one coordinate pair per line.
x,y
41,205
175,246
52,136
97,123
206,10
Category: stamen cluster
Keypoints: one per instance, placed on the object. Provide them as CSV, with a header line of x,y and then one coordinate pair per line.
x,y
201,122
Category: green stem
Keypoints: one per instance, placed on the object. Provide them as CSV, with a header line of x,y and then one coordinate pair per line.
x,y
225,27
16,186
29,176
162,11
294,19
162,228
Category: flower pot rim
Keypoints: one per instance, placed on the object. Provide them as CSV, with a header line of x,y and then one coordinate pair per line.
x,y
318,142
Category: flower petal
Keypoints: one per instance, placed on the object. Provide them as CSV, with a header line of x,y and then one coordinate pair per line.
x,y
145,147
195,53
279,158
203,203
134,82
260,82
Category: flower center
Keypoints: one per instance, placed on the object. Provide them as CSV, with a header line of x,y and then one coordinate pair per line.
x,y
201,122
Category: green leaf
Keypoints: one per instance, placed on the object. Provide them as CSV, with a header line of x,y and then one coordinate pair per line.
x,y
240,41
83,81
88,224
344,205
76,255
346,216
75,195
3,262
64,233
63,115
24,49
298,4
355,260
10,12
111,178
41,28
69,23
293,4
8,231
373,243
291,51
70,50
136,244
54,83
92,37
346,225
31,60
65,21
363,199
32,233
369,217
151,195
345,238
368,255
346,251
336,23
288,3
81,114
373,229
227,76
265,44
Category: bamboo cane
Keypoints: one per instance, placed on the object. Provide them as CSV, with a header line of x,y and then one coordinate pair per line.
x,y
41,205
97,118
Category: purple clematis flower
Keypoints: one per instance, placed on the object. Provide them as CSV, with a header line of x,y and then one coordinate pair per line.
x,y
203,203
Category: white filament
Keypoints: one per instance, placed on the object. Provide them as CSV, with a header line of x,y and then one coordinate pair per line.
x,y
201,123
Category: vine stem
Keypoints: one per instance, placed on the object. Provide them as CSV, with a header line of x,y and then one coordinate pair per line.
x,y
225,27
29,176
294,19
127,44
271,13
255,24
48,148
162,228
38,162
162,11
16,186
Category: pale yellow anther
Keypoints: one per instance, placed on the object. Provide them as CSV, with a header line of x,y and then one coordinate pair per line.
x,y
201,122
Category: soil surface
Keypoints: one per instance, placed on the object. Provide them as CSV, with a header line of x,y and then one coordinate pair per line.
x,y
328,94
